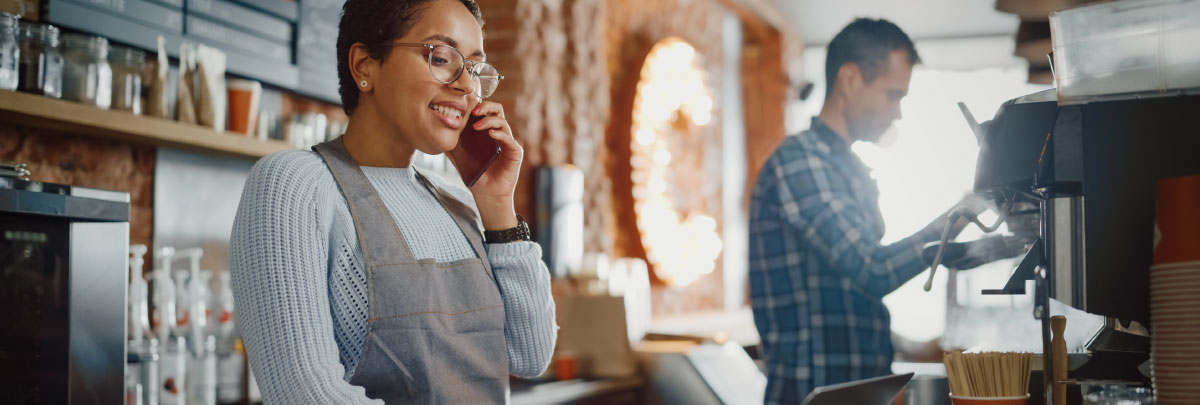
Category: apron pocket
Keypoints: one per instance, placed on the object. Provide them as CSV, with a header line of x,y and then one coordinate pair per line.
x,y
437,289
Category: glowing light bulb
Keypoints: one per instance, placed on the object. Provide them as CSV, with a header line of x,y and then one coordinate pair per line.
x,y
644,136
681,249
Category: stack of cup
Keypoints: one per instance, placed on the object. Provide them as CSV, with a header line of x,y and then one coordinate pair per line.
x,y
1175,292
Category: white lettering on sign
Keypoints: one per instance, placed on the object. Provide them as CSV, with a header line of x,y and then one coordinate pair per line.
x,y
118,5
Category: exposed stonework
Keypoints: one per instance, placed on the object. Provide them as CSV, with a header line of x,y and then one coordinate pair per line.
x,y
55,157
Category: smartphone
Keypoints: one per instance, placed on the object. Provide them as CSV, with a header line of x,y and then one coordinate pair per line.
x,y
475,151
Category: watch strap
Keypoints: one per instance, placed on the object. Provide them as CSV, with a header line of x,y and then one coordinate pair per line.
x,y
515,234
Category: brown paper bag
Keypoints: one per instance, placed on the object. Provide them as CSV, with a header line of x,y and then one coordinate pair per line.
x,y
593,327
210,88
185,104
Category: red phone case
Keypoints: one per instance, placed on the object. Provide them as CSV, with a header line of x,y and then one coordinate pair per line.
x,y
475,152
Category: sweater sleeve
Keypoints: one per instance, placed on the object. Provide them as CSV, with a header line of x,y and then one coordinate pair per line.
x,y
529,325
278,260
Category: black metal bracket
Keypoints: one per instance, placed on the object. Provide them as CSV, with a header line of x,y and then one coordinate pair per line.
x,y
1016,283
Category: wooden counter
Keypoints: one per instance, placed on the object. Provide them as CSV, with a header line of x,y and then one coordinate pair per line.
x,y
607,391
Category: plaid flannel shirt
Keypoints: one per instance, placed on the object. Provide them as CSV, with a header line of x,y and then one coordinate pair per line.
x,y
818,273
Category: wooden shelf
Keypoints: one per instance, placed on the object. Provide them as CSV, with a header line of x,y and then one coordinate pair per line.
x,y
81,119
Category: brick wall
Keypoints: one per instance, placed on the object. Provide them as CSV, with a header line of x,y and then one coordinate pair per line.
x,y
56,157
571,70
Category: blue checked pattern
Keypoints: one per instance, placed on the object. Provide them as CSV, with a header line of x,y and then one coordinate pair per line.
x,y
818,273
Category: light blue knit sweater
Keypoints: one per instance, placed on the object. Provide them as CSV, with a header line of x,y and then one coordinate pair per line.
x,y
300,286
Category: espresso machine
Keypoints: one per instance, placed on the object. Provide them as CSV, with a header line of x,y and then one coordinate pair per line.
x,y
1076,184
62,291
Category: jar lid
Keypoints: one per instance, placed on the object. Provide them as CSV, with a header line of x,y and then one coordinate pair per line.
x,y
80,41
40,32
126,55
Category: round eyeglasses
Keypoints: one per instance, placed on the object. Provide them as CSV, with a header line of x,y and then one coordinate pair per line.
x,y
447,64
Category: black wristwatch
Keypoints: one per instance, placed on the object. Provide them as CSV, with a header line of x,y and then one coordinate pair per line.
x,y
514,234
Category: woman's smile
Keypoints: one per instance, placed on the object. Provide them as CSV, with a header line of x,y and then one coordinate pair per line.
x,y
449,113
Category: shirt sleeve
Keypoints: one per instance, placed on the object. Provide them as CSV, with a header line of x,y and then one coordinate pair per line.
x,y
278,261
820,205
529,325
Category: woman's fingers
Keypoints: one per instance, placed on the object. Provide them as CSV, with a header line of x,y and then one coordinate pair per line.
x,y
489,108
491,123
497,128
508,145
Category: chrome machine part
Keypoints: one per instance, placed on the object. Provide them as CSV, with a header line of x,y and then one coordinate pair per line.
x,y
1063,233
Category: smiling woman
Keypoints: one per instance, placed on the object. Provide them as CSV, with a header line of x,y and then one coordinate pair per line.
x,y
360,279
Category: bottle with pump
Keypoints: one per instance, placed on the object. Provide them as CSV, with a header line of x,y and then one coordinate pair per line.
x,y
230,365
183,307
142,371
173,351
201,360
224,322
203,370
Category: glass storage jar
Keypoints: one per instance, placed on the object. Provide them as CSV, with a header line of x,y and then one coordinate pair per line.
x,y
128,65
87,76
41,65
10,52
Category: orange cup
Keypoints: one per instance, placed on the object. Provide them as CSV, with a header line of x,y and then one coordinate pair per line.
x,y
1178,220
565,365
963,400
243,96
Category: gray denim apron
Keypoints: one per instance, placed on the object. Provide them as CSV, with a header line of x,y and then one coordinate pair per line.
x,y
435,330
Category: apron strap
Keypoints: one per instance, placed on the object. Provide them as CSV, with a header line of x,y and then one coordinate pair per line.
x,y
372,220
464,216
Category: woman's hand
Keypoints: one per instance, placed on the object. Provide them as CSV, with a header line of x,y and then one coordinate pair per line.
x,y
494,190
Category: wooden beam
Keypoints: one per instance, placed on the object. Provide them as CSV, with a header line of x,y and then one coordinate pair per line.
x,y
1033,42
1036,10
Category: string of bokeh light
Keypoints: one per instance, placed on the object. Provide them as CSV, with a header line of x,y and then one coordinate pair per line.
x,y
682,246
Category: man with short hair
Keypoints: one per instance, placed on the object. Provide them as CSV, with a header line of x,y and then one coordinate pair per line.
x,y
818,273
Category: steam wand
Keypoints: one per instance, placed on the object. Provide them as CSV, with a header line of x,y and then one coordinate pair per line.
x,y
961,212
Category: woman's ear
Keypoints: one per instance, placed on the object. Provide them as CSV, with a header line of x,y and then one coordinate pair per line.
x,y
362,67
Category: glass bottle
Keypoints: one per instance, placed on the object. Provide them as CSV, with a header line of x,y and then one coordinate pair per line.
x,y
41,60
127,65
87,76
10,52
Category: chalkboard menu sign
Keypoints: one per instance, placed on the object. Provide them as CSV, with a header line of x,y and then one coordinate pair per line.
x,y
290,44
317,45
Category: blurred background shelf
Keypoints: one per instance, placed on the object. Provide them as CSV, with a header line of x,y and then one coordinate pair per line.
x,y
43,112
